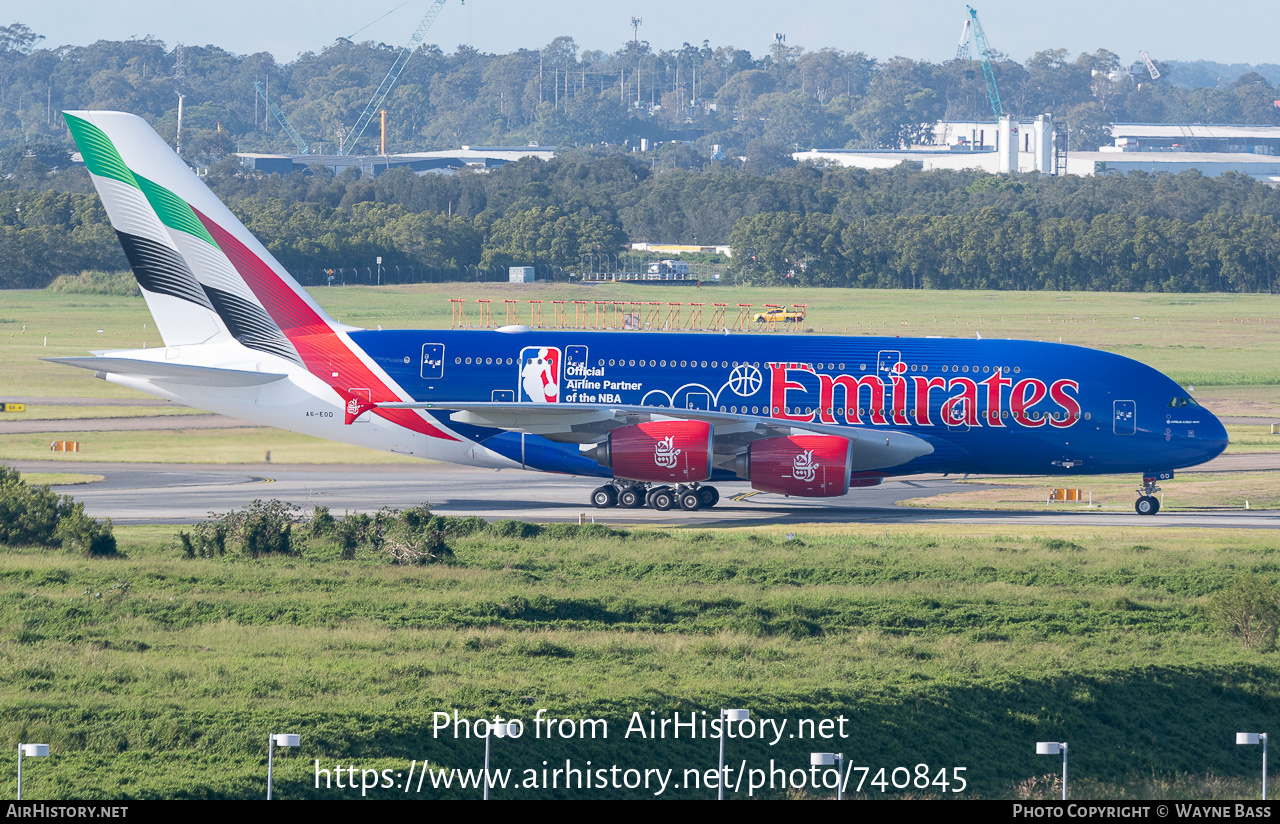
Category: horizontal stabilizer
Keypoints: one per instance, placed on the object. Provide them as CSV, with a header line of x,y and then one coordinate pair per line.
x,y
172,372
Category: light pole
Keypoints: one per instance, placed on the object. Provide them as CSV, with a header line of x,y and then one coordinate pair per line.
x,y
274,740
30,751
725,717
1053,748
379,270
1257,738
827,759
499,731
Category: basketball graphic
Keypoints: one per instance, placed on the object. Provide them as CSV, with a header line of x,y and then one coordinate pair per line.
x,y
745,380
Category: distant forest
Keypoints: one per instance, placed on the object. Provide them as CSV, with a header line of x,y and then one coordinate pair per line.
x,y
800,225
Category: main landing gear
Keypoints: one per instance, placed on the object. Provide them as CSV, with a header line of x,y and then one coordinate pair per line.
x,y
688,497
1148,503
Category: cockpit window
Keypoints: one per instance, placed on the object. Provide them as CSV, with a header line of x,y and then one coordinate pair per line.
x,y
1177,402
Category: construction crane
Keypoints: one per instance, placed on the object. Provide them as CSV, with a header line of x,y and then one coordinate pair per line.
x,y
962,51
1151,67
984,51
392,76
957,83
284,121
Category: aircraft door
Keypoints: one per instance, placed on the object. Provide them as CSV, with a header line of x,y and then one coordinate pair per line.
x,y
886,360
1125,417
574,355
432,360
962,413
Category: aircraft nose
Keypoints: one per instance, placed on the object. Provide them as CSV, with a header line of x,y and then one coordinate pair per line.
x,y
1212,436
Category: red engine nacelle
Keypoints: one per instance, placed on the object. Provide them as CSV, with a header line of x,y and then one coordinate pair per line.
x,y
810,466
659,451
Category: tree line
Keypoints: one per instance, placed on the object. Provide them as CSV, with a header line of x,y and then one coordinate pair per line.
x,y
988,249
803,224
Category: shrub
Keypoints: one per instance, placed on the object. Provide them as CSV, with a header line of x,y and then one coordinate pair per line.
x,y
579,531
265,528
28,515
514,529
261,528
79,533
97,283
33,515
469,525
348,532
207,539
1248,609
414,536
322,523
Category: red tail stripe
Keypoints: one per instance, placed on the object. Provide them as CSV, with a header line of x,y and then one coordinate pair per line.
x,y
321,349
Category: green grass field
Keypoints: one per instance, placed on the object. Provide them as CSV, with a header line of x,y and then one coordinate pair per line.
x,y
218,446
1248,438
50,412
60,478
158,676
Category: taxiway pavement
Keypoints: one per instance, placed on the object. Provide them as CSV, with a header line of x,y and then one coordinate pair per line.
x,y
184,493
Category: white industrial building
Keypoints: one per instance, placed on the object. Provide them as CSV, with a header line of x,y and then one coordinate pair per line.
x,y
442,161
1210,164
1031,146
1217,138
1003,146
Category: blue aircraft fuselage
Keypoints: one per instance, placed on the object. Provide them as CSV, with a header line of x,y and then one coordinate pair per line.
x,y
989,406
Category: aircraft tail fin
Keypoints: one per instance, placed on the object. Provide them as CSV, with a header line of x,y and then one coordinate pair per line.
x,y
206,279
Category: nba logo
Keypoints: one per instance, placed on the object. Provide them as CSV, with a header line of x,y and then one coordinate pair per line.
x,y
540,374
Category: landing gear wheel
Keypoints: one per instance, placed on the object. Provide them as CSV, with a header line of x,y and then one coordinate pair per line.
x,y
662,499
1147,505
709,496
632,497
604,497
690,500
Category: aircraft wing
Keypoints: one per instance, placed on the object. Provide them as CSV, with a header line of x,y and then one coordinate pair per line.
x,y
171,372
588,423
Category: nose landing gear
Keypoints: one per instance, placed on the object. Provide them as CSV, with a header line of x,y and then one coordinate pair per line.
x,y
1147,503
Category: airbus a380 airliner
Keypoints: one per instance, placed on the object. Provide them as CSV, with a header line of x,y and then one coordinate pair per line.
x,y
654,416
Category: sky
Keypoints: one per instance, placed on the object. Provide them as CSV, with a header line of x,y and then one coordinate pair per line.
x,y
927,29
